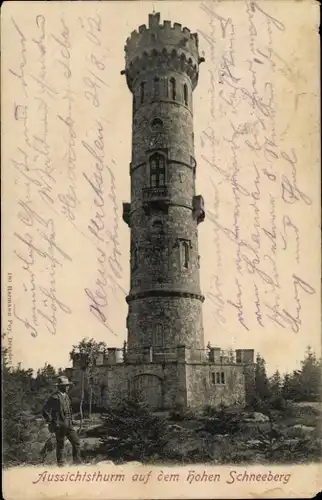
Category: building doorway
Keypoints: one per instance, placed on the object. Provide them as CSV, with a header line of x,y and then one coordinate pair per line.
x,y
149,388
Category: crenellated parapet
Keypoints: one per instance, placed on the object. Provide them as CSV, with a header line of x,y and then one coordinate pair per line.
x,y
162,46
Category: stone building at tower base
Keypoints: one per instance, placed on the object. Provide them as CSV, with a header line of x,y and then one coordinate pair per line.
x,y
170,379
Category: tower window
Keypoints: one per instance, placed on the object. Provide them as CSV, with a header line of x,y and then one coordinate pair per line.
x,y
158,335
156,87
157,170
173,89
134,257
185,254
218,378
156,125
185,94
142,89
166,86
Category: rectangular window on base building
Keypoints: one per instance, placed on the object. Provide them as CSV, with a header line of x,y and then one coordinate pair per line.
x,y
218,378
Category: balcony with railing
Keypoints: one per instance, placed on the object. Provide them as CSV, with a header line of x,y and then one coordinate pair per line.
x,y
179,354
158,195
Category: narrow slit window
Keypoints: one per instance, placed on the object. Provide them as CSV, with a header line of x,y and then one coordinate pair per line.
x,y
217,378
156,87
173,89
158,335
185,254
166,86
222,378
134,257
185,94
142,89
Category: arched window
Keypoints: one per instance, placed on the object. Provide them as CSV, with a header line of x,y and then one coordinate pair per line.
x,y
173,89
142,88
158,335
157,170
156,124
156,87
185,94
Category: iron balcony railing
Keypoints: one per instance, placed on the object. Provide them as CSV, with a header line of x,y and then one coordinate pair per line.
x,y
151,194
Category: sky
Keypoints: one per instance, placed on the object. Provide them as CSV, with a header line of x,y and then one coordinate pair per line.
x,y
256,146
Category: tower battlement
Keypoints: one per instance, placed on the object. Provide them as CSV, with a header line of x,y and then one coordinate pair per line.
x,y
161,45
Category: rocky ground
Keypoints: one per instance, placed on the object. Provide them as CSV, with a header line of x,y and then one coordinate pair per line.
x,y
295,437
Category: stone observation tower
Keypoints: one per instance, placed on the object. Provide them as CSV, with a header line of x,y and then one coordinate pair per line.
x,y
164,358
165,301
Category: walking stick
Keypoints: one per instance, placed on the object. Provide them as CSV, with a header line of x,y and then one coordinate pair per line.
x,y
81,402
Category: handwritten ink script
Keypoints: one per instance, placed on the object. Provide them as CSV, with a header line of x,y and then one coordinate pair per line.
x,y
67,114
63,213
258,170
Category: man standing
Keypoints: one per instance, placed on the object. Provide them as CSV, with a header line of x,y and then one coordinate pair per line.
x,y
58,414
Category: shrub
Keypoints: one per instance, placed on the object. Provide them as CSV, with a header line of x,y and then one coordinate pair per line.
x,y
208,411
222,421
277,403
132,432
302,450
17,435
233,451
17,415
178,414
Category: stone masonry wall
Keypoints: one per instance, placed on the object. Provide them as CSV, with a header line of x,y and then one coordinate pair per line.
x,y
114,382
185,385
159,259
176,133
180,319
202,391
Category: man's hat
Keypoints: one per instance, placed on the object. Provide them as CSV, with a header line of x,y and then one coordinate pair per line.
x,y
63,381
